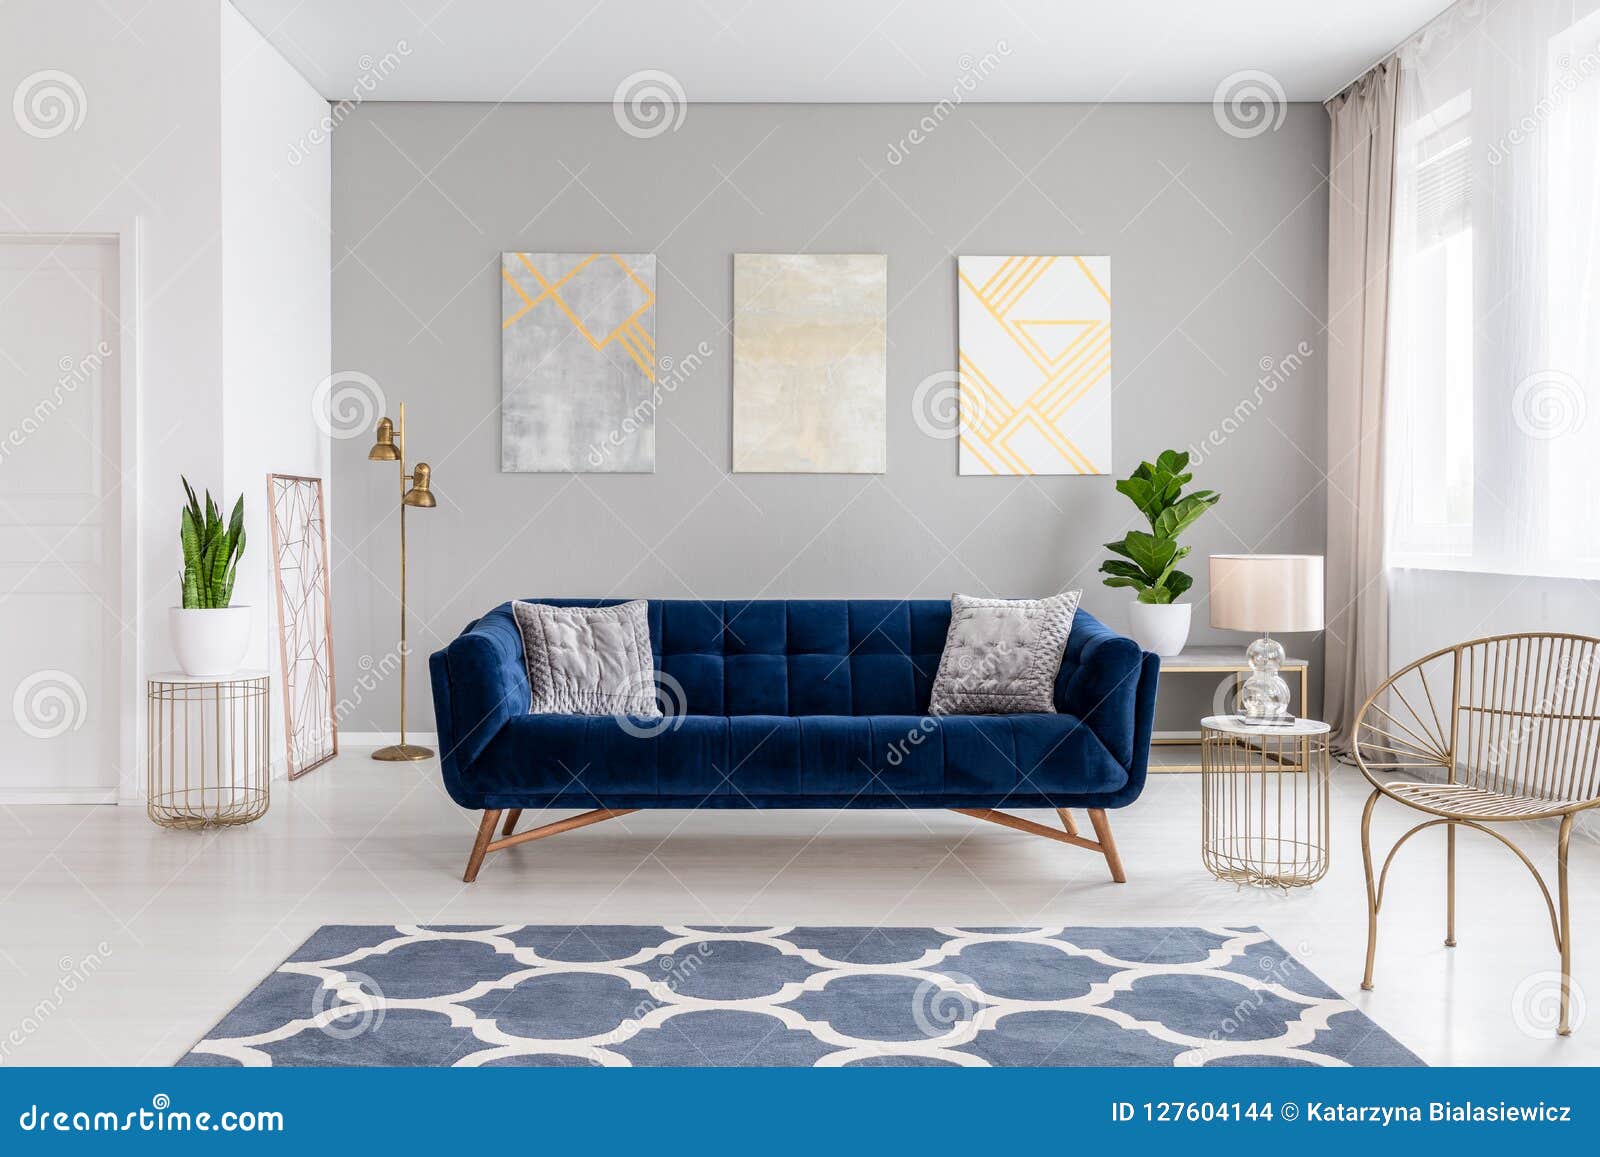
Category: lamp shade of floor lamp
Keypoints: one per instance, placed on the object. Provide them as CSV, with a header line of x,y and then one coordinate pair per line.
x,y
1266,593
416,490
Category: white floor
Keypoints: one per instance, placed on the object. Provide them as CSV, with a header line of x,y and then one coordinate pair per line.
x,y
184,924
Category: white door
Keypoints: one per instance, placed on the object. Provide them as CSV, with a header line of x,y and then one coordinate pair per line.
x,y
60,506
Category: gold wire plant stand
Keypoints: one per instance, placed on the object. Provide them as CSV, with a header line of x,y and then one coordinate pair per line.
x,y
207,759
1264,801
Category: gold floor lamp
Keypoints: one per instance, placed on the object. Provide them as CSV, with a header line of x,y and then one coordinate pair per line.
x,y
416,489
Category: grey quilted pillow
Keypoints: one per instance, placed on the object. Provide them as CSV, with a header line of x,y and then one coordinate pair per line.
x,y
588,660
1002,656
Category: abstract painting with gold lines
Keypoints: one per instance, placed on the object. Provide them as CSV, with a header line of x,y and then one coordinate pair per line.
x,y
1035,364
578,362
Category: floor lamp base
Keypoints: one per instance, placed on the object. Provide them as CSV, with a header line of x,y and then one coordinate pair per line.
x,y
403,753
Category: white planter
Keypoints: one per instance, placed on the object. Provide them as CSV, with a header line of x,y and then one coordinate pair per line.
x,y
210,641
1158,627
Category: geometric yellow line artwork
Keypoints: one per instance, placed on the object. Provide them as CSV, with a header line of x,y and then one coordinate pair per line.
x,y
1034,357
577,362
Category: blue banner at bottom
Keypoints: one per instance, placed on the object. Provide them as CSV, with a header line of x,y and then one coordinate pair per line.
x,y
714,1111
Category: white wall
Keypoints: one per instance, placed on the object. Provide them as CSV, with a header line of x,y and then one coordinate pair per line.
x,y
276,309
1430,609
148,159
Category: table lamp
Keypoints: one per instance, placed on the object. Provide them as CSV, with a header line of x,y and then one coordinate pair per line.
x,y
1266,593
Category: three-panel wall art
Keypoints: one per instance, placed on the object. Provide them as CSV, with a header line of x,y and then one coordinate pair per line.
x,y
580,377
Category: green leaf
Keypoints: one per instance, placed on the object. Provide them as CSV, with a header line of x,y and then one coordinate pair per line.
x,y
1145,496
194,503
1178,582
1158,595
1119,581
1125,569
1153,554
189,539
1172,461
1118,548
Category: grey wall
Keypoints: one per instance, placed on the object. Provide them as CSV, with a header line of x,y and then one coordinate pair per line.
x,y
1218,249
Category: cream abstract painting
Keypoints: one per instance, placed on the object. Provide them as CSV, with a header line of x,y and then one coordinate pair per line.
x,y
1035,364
809,356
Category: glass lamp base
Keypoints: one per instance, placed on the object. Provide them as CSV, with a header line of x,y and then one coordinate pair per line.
x,y
1264,695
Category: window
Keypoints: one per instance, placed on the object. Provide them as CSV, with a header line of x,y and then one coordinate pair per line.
x,y
1493,424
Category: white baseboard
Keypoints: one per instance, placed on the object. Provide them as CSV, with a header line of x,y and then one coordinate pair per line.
x,y
26,796
384,738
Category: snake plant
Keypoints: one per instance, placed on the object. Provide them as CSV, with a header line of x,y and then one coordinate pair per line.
x,y
211,550
1149,561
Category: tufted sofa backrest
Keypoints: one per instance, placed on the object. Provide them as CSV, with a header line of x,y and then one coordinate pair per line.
x,y
805,656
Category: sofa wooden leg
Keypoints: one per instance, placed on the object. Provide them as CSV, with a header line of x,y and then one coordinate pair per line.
x,y
1103,844
512,816
481,844
1108,844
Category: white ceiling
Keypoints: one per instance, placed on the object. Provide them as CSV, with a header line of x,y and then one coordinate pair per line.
x,y
832,50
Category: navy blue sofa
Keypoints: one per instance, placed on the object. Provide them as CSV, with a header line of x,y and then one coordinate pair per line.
x,y
793,704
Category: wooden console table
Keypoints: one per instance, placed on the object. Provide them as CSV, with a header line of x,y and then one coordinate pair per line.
x,y
1217,661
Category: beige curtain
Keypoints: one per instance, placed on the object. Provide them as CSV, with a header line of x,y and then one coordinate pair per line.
x,y
1360,213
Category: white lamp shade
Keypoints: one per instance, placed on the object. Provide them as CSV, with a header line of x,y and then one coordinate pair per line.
x,y
1266,592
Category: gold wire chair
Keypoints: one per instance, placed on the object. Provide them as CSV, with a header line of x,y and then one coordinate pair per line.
x,y
1518,739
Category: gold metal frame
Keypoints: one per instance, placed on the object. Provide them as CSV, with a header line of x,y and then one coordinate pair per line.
x,y
207,763
301,583
1264,816
1239,672
1519,739
486,843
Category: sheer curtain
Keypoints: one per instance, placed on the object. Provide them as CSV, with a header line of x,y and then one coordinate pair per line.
x,y
1493,424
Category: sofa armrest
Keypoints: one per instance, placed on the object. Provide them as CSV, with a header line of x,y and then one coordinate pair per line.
x,y
1100,683
479,682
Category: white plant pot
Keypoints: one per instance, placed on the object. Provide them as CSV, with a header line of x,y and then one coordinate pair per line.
x,y
1158,627
210,641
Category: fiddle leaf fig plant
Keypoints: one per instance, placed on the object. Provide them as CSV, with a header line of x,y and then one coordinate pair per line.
x,y
211,550
1148,560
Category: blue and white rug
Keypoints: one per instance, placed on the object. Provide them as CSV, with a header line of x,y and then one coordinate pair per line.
x,y
624,995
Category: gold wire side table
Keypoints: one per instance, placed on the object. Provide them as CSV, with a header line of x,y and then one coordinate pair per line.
x,y
1264,801
207,761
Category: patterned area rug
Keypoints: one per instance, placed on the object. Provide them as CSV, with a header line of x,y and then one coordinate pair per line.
x,y
622,995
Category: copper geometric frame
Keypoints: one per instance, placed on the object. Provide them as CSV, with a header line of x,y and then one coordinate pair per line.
x,y
305,620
